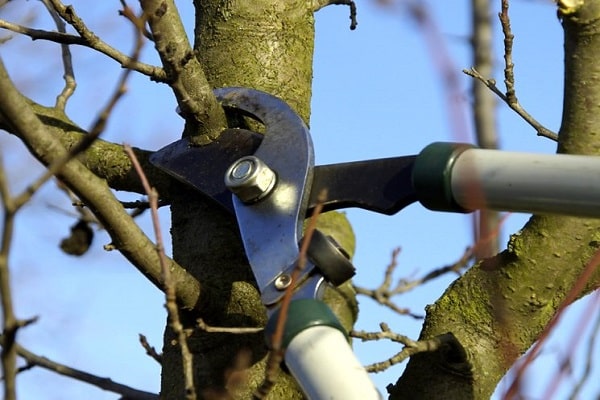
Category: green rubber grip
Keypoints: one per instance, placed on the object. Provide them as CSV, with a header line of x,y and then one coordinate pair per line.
x,y
302,314
432,173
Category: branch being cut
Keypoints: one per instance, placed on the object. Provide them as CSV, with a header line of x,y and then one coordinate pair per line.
x,y
205,118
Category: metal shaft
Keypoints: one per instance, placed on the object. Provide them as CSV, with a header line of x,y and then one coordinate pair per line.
x,y
460,178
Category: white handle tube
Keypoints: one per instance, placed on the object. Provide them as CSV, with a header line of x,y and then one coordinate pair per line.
x,y
325,367
460,178
318,354
536,183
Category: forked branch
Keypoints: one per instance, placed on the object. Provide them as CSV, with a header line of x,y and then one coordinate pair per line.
x,y
510,97
411,347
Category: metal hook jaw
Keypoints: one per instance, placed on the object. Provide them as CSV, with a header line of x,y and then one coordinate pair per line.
x,y
271,226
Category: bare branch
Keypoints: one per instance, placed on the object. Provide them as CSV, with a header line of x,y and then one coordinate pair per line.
x,y
150,350
100,123
169,285
126,235
69,75
39,34
384,293
515,106
9,322
95,131
510,97
509,66
223,329
411,347
138,21
86,38
108,384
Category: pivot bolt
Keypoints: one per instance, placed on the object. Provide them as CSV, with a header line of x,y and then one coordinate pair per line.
x,y
250,179
283,281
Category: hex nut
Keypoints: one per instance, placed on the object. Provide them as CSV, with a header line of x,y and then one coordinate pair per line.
x,y
250,179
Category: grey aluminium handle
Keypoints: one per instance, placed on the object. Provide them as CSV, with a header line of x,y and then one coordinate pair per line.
x,y
457,177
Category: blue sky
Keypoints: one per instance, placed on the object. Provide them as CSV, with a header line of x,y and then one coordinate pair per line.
x,y
376,94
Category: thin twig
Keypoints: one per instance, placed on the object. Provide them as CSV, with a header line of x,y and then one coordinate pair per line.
x,y
10,324
224,329
94,132
69,75
509,66
86,38
384,293
515,106
169,286
411,347
566,368
138,21
510,97
138,24
82,376
150,350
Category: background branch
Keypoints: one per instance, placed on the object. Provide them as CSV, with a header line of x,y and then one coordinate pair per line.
x,y
411,347
510,97
384,293
86,38
484,115
515,106
69,75
168,284
34,360
126,235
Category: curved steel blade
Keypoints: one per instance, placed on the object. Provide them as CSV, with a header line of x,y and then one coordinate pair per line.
x,y
271,228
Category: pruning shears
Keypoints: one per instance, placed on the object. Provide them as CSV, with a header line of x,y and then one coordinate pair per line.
x,y
269,182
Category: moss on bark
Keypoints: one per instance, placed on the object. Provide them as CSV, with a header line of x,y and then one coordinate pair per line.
x,y
499,307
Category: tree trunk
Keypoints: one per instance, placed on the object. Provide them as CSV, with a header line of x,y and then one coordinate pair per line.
x,y
499,308
266,45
